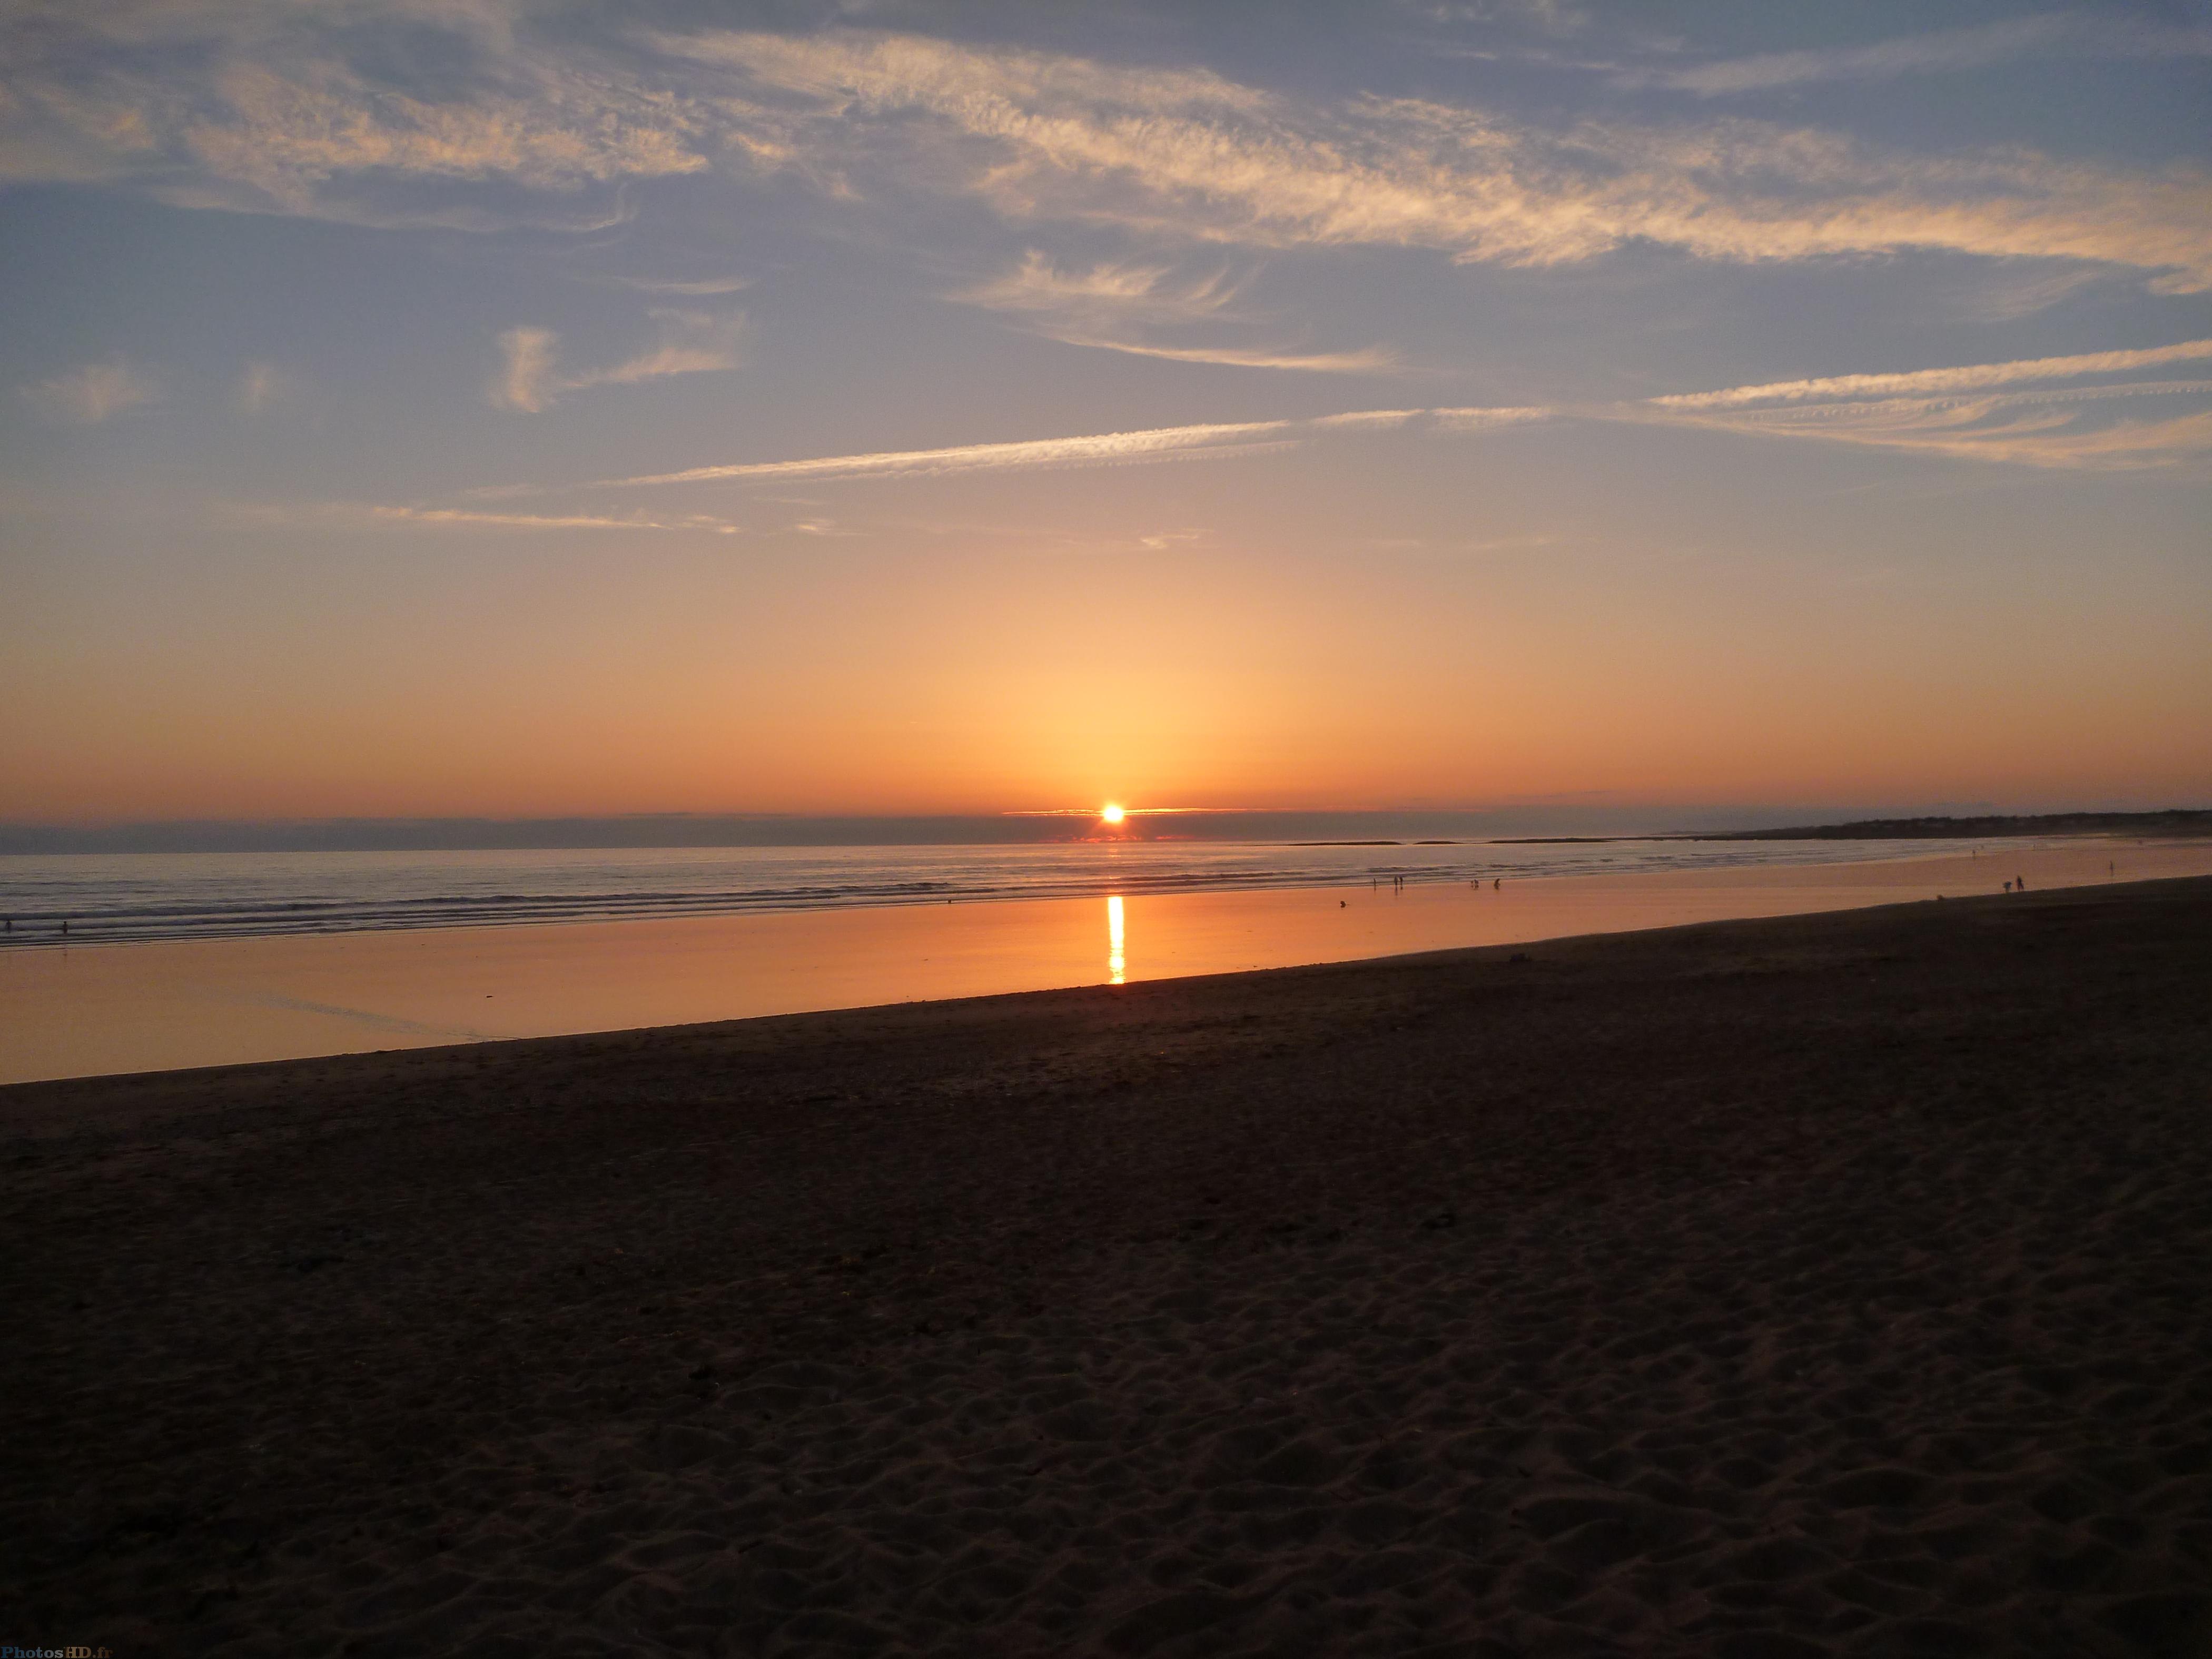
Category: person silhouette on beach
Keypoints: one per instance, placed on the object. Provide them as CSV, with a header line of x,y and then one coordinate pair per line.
x,y
2008,887
2019,883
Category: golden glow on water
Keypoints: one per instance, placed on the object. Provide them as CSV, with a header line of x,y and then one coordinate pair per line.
x,y
1117,963
1111,814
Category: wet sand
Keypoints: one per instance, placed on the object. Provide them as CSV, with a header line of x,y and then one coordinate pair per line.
x,y
1805,1286
107,1008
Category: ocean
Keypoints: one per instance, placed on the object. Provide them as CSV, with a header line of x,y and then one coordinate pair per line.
x,y
82,898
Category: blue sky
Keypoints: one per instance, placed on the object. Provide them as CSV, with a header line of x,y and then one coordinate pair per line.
x,y
502,406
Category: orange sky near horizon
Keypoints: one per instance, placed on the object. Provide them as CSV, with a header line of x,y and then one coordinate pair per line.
x,y
583,686
983,408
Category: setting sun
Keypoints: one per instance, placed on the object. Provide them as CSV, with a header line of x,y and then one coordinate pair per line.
x,y
1111,814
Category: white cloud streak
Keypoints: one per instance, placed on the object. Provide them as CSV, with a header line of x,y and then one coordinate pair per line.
x,y
369,513
1144,311
1960,411
1484,420
1940,51
702,289
1126,290
94,394
1968,378
1967,412
1217,441
2016,431
1101,449
690,342
453,516
1371,360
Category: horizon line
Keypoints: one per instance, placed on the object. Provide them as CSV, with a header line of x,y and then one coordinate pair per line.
x,y
1579,802
668,831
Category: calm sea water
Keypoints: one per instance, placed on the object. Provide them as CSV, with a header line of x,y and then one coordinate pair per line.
x,y
118,897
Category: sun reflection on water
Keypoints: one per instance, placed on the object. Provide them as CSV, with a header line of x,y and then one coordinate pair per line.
x,y
1115,962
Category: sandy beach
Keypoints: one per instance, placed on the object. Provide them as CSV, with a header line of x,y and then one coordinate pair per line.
x,y
1811,1284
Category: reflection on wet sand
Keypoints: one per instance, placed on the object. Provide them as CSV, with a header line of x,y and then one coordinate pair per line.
x,y
1116,962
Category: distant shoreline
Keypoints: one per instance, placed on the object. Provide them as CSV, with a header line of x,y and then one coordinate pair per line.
x,y
2172,822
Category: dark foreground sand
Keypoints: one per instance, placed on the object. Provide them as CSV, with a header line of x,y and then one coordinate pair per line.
x,y
1835,1285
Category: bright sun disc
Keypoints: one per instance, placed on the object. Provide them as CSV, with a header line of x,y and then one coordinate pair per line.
x,y
1112,813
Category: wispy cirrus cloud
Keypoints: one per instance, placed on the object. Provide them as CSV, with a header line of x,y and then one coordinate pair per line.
x,y
261,383
373,512
1125,291
690,342
1219,442
94,394
1146,311
2022,429
2024,411
306,109
703,288
1938,51
440,515
524,379
528,378
1190,155
288,135
277,110
1371,360
1970,377
1098,449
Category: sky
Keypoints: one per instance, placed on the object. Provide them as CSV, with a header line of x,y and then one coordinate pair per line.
x,y
501,408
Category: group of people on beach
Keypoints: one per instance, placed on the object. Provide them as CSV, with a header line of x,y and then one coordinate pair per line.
x,y
1398,885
